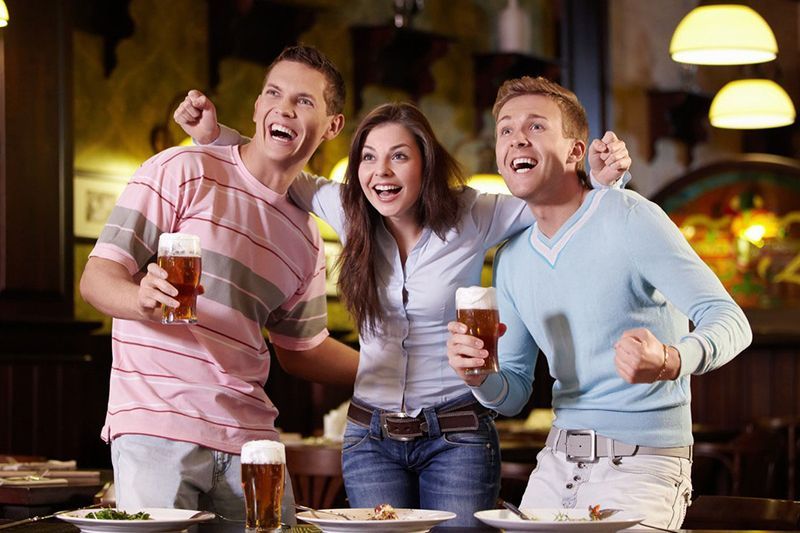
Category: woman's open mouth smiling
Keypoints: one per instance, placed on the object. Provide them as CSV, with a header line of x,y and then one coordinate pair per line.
x,y
387,192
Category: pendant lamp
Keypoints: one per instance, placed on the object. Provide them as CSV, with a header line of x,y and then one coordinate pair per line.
x,y
3,14
724,34
751,104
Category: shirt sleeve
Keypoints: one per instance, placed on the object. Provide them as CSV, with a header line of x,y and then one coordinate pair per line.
x,y
227,137
620,183
148,206
667,261
320,196
498,216
301,322
507,392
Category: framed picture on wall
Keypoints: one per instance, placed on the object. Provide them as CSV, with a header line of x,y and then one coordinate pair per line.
x,y
94,197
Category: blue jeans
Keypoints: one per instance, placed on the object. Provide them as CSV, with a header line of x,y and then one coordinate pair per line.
x,y
454,471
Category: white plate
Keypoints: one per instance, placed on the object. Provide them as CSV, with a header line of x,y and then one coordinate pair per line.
x,y
162,520
578,520
408,520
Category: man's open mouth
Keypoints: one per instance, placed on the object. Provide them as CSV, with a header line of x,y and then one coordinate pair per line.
x,y
281,133
522,164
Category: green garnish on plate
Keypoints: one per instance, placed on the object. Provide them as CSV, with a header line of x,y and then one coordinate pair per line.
x,y
115,514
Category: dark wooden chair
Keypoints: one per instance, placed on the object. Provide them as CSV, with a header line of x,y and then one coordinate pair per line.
x,y
785,429
316,473
739,513
745,465
513,480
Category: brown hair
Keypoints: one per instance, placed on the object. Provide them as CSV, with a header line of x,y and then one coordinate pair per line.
x,y
574,124
437,208
313,58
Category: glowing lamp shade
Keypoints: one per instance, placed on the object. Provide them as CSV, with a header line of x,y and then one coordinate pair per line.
x,y
723,34
751,104
491,183
3,14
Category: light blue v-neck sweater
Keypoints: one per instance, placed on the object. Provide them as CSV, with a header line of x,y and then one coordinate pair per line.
x,y
618,263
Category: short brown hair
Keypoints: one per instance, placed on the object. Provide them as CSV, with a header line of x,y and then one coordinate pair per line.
x,y
313,58
574,124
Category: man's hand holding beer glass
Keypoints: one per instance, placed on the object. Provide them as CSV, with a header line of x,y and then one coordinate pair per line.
x,y
168,292
472,347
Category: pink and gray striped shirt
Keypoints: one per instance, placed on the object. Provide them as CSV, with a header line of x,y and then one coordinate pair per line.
x,y
263,265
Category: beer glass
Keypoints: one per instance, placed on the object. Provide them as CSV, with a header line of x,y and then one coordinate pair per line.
x,y
263,466
477,308
179,255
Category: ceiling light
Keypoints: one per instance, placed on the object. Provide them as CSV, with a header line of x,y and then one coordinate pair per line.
x,y
723,34
3,14
751,104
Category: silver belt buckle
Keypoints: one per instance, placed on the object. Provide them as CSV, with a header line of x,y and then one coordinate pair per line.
x,y
385,425
592,456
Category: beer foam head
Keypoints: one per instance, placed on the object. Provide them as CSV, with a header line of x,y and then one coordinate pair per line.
x,y
178,244
263,452
476,298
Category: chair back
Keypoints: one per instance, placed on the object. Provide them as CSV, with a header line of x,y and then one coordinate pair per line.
x,y
316,473
514,480
738,513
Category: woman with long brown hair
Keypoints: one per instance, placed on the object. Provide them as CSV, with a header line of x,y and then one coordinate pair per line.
x,y
413,233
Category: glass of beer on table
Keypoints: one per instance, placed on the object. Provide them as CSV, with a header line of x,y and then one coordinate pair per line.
x,y
477,308
179,255
263,467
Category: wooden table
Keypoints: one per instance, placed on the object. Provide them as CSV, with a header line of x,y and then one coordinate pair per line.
x,y
17,502
57,526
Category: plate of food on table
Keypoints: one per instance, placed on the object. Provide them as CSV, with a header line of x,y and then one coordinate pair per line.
x,y
383,518
593,519
148,520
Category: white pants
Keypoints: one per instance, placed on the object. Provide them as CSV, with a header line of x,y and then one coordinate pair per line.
x,y
656,487
156,472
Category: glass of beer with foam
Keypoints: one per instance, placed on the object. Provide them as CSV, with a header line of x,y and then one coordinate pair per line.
x,y
263,467
477,308
179,255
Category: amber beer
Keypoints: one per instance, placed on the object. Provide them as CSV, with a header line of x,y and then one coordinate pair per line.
x,y
179,255
263,465
477,308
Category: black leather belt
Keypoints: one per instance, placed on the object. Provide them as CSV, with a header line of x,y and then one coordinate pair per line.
x,y
400,426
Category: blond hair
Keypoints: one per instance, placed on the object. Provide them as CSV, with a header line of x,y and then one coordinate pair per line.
x,y
574,124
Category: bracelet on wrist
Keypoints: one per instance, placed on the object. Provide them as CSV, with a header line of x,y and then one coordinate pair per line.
x,y
663,370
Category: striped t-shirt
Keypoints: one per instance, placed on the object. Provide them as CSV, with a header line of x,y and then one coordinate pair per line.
x,y
263,265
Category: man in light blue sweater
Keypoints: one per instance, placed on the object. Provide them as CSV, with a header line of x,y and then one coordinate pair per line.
x,y
603,284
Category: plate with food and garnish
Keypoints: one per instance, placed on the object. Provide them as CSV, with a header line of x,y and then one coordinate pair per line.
x,y
593,519
383,518
148,520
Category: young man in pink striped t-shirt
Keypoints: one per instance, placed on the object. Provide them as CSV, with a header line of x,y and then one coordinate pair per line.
x,y
183,399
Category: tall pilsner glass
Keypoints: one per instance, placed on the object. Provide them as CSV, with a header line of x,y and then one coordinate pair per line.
x,y
263,467
179,255
477,308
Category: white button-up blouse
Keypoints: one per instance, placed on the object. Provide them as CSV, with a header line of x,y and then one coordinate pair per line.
x,y
403,364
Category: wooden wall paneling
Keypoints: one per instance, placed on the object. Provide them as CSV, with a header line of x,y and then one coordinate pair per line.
x,y
5,407
757,383
783,384
36,181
